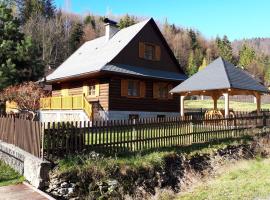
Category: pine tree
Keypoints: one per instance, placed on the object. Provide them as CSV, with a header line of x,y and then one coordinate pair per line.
x,y
32,8
76,36
225,48
17,61
192,68
203,65
90,20
126,21
49,8
193,39
246,56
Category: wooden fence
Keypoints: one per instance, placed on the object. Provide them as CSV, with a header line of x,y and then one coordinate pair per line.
x,y
132,136
23,133
56,140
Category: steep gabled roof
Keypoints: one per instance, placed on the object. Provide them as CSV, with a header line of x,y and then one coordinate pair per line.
x,y
95,55
220,74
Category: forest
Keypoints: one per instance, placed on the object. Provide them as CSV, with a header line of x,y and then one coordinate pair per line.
x,y
36,37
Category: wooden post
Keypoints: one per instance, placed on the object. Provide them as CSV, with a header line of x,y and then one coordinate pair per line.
x,y
215,102
258,102
182,108
202,97
226,95
254,99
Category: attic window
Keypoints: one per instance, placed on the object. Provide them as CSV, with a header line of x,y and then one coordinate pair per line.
x,y
149,52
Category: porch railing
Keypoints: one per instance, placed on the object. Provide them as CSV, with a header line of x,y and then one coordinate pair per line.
x,y
76,102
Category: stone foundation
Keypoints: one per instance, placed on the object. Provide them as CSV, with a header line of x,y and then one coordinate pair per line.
x,y
79,115
62,115
34,170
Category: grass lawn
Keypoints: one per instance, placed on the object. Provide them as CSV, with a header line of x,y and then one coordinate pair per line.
x,y
243,180
236,106
8,176
150,158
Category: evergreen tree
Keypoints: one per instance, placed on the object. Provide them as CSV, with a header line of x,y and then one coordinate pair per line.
x,y
90,20
246,56
32,8
203,65
17,61
198,56
76,36
225,48
49,8
193,39
126,21
192,68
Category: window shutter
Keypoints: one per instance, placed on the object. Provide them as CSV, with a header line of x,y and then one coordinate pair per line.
x,y
124,88
142,89
155,90
170,87
157,53
141,50
86,90
97,90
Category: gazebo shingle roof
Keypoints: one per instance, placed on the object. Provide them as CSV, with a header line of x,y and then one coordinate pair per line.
x,y
220,74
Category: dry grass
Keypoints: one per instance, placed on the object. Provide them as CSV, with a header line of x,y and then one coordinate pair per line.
x,y
241,180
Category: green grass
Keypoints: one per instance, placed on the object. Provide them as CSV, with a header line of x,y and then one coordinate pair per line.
x,y
236,106
8,176
148,158
243,180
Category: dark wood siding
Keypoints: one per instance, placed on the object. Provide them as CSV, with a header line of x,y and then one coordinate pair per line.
x,y
130,54
148,103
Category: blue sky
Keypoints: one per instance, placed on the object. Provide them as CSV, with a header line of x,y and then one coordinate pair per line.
x,y
235,18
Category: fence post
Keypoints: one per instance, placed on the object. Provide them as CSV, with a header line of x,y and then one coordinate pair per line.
x,y
42,140
264,119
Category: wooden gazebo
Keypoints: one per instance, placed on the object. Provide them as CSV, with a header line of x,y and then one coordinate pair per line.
x,y
220,78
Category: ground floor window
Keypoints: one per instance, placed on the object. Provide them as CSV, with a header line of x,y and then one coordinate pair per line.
x,y
92,89
133,88
161,90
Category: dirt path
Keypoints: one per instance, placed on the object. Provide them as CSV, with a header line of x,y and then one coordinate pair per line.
x,y
21,192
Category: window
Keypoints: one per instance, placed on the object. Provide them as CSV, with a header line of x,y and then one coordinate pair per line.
x,y
161,91
149,52
133,88
92,90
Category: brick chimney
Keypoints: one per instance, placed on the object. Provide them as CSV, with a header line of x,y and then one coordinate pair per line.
x,y
111,28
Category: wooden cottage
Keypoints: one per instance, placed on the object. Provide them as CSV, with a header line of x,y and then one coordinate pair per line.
x,y
127,73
